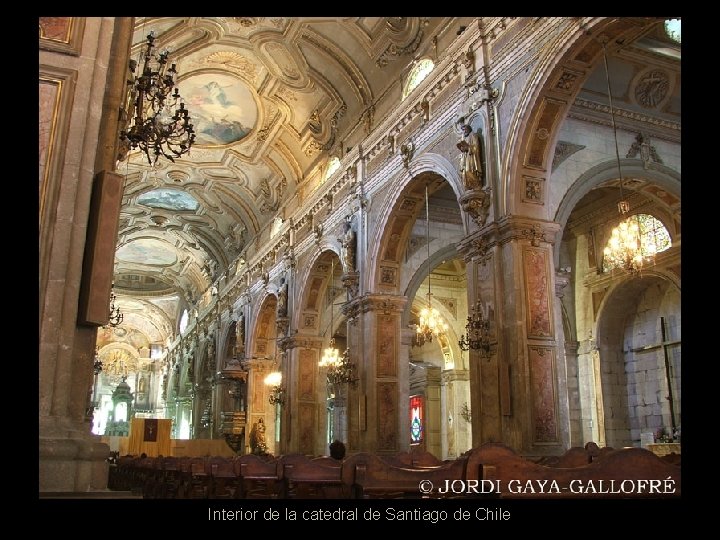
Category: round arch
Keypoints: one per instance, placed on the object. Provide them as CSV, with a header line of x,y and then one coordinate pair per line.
x,y
633,382
658,174
540,112
401,209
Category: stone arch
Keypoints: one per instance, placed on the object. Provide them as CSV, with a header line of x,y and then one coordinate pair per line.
x,y
556,81
263,330
399,212
633,386
313,283
666,178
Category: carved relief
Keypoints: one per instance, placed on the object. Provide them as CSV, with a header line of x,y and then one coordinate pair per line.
x,y
533,192
564,150
234,62
476,202
387,411
387,275
306,376
651,88
386,343
537,289
542,384
647,151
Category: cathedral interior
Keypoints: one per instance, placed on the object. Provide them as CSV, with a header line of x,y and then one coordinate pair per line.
x,y
402,233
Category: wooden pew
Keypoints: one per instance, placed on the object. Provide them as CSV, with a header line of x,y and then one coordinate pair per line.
x,y
260,477
306,478
624,473
414,459
369,476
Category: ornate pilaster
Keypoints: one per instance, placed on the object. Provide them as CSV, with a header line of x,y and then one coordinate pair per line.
x,y
377,347
518,394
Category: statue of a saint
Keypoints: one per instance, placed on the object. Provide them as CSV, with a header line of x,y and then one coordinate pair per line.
x,y
258,445
282,298
470,158
347,243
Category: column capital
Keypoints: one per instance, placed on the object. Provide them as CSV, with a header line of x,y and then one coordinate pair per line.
x,y
383,303
301,341
535,232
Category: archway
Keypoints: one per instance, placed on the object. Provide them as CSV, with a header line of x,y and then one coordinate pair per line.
x,y
262,359
321,409
401,265
638,343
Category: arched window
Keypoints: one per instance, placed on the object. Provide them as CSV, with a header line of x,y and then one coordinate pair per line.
x,y
653,236
673,29
332,166
184,321
417,74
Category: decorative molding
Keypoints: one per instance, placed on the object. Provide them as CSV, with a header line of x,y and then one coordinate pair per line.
x,y
563,150
533,190
647,151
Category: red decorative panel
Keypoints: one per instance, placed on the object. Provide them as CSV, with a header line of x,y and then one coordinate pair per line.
x,y
542,385
537,288
306,384
386,345
306,425
387,410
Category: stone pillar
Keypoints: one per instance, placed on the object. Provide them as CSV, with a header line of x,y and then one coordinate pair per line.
x,y
456,410
82,78
519,393
304,406
381,353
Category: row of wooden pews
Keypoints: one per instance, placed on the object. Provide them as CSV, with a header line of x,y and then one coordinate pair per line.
x,y
490,471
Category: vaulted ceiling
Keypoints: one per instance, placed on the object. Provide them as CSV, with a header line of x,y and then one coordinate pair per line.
x,y
271,99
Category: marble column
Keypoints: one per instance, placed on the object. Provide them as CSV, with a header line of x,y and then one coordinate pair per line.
x,y
380,350
519,390
304,406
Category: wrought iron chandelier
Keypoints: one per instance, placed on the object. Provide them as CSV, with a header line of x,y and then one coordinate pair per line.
x,y
625,248
116,316
277,391
339,368
154,127
431,322
477,336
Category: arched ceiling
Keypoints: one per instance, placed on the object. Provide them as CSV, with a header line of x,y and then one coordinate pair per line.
x,y
270,99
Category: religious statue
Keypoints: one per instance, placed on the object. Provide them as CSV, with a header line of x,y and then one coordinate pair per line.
x,y
470,158
347,251
258,445
282,309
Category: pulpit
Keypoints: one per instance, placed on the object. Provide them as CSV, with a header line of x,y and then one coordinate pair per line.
x,y
150,436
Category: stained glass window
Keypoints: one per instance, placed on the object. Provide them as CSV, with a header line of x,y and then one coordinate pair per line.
x,y
654,237
622,244
417,74
417,419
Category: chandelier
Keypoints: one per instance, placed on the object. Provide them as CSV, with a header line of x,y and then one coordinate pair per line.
x,y
154,127
339,368
431,322
116,316
625,248
477,329
277,392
